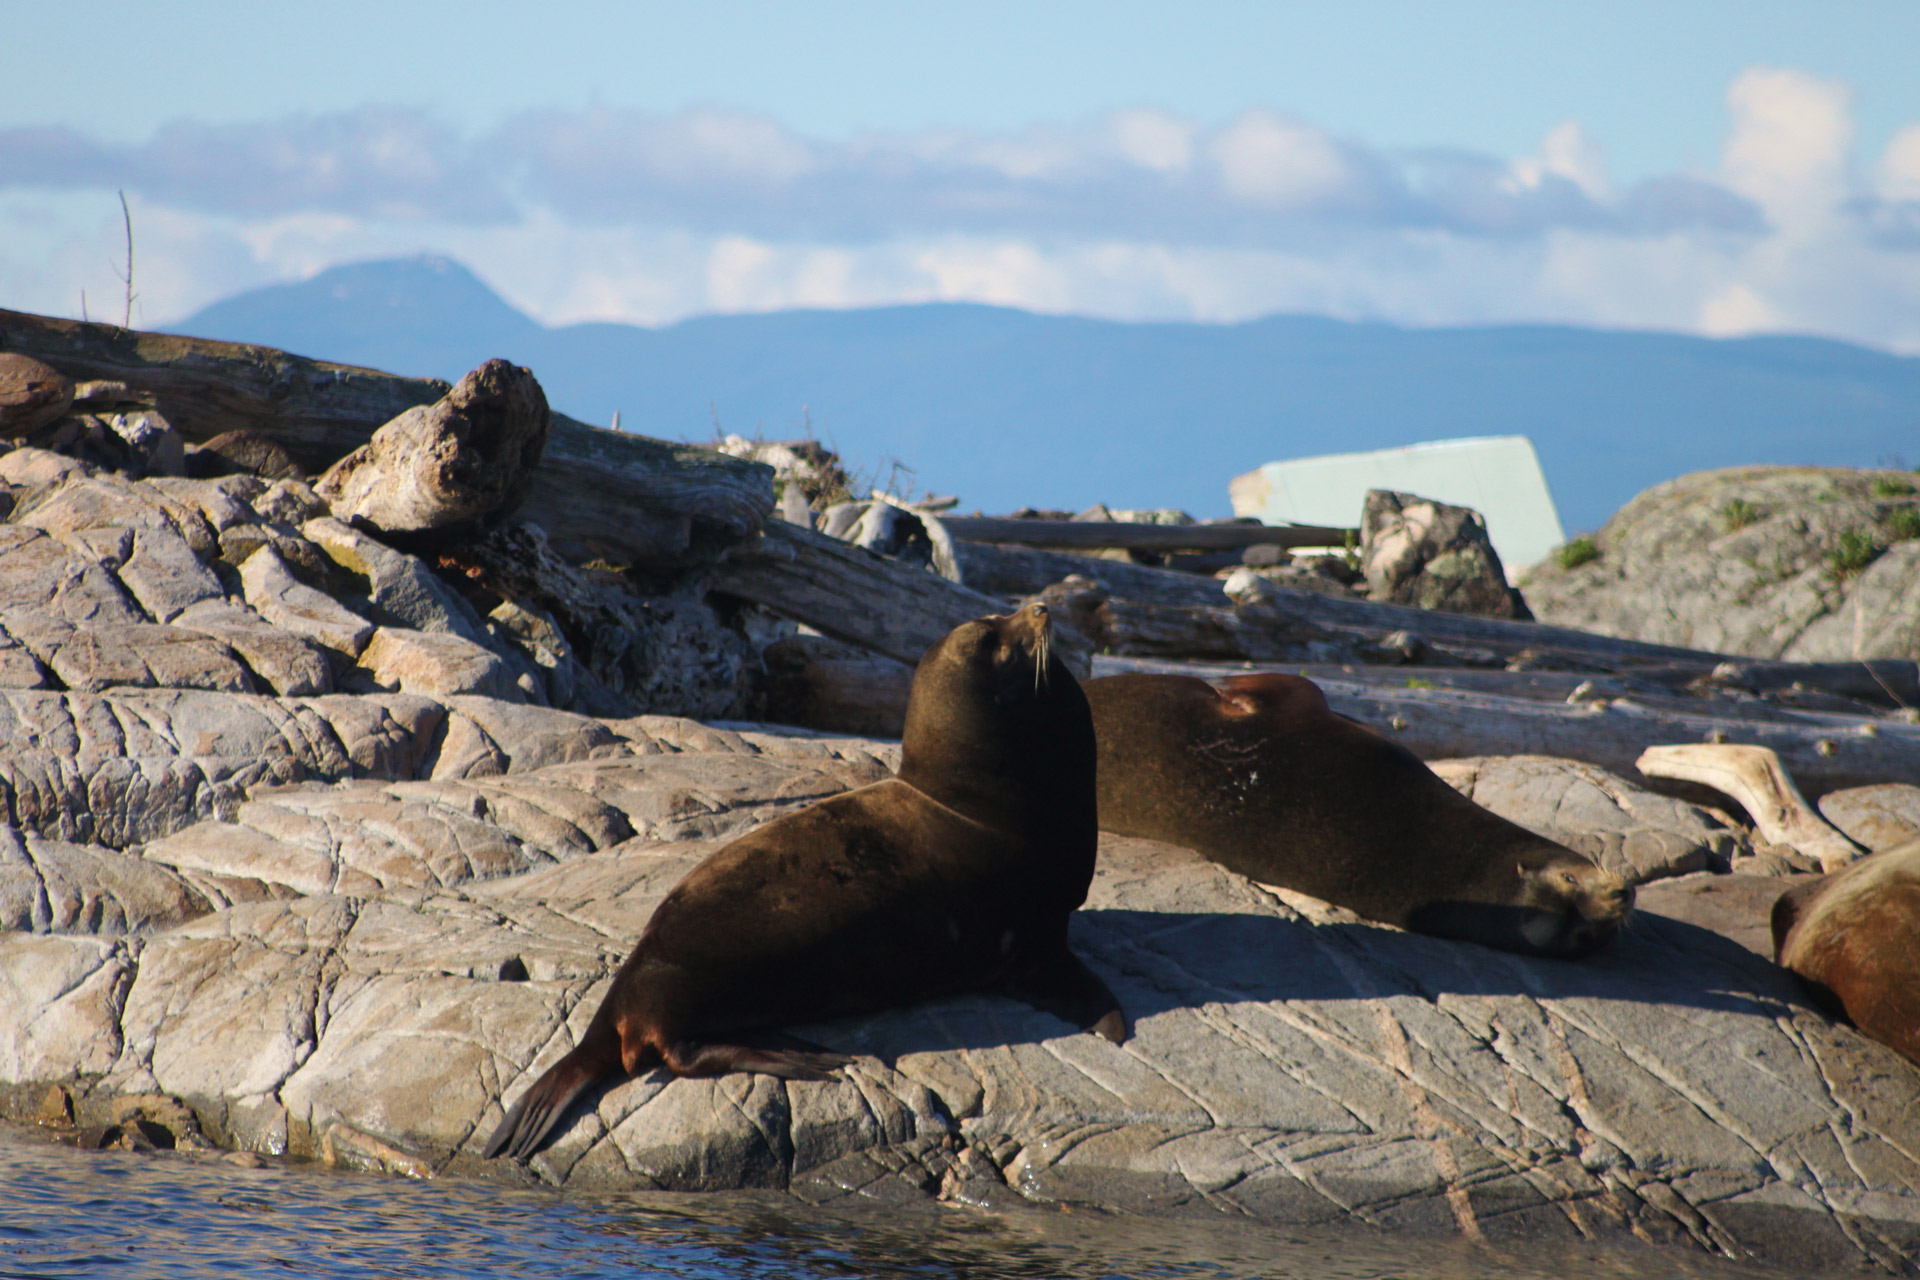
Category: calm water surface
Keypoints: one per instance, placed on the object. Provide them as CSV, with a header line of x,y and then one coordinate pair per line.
x,y
70,1213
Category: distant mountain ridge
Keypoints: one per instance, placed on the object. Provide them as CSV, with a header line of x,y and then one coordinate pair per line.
x,y
1008,408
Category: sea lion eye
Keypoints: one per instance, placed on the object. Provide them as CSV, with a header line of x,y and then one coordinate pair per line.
x,y
1568,877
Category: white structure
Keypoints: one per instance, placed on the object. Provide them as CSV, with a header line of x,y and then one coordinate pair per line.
x,y
1498,476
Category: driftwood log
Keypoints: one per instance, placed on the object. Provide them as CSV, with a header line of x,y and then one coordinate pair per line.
x,y
1128,536
1755,778
448,470
847,592
628,499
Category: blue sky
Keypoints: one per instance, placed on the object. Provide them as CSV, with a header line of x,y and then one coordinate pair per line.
x,y
1706,167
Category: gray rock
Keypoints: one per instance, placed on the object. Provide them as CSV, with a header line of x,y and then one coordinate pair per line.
x,y
1875,817
129,765
1420,552
288,664
1635,833
1803,563
128,655
50,886
43,575
436,664
290,605
1675,1086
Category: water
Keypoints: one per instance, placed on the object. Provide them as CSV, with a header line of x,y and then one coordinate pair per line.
x,y
68,1213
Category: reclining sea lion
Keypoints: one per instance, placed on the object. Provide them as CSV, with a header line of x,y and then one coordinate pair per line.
x,y
1260,776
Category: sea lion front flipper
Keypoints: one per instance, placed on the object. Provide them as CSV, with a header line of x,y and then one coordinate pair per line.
x,y
1057,982
692,1058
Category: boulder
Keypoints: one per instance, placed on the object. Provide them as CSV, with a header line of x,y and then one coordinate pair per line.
x,y
1876,818
1416,551
1635,833
32,394
1805,563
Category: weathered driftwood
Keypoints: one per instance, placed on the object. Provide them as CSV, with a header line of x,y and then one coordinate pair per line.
x,y
626,498
1823,752
318,411
1753,777
1128,536
453,468
848,593
1886,681
1005,570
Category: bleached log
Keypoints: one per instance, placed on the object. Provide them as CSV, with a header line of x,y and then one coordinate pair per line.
x,y
847,592
1128,536
1753,776
608,494
1016,571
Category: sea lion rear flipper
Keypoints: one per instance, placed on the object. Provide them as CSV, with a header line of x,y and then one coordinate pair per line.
x,y
1060,984
540,1108
692,1058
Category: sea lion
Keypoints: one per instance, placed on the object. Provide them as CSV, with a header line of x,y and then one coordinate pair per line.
x,y
958,874
1854,937
1260,776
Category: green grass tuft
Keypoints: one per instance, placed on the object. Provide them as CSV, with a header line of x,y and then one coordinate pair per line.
x,y
1582,550
1739,513
1902,524
1891,486
1858,549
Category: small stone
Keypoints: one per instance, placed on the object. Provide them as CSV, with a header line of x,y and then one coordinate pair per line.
x,y
55,1109
32,394
243,1160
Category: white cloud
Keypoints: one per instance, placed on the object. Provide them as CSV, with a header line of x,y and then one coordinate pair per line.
x,y
1788,149
1137,214
1281,164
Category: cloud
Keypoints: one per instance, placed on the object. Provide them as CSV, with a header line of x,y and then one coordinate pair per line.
x,y
1259,179
1134,214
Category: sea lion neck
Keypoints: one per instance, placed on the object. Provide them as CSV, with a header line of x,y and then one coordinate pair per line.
x,y
997,728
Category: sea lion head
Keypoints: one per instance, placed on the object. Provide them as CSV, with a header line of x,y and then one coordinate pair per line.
x,y
1569,906
997,727
1537,898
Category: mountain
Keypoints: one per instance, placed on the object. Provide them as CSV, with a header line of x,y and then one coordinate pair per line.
x,y
1009,409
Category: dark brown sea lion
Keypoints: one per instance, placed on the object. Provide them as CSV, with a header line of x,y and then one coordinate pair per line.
x,y
956,875
1260,776
1854,935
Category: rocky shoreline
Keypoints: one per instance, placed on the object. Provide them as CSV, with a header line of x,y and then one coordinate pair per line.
x,y
322,847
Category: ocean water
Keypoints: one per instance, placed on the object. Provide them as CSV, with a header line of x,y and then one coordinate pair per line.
x,y
69,1213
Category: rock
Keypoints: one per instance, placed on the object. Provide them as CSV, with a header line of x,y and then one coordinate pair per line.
x,y
439,665
1635,833
1737,907
129,655
290,605
290,665
42,575
1416,551
243,453
148,444
450,469
51,886
1805,563
1877,817
34,468
32,394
